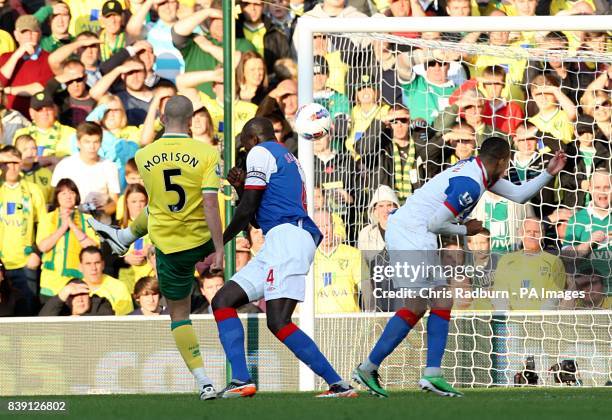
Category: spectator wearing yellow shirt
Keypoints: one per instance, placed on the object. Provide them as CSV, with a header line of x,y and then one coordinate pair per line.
x,y
112,36
339,277
52,137
22,206
530,270
102,285
131,177
591,284
135,200
7,43
31,168
61,235
86,15
555,111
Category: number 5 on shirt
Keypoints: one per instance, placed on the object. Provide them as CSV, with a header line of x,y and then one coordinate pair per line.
x,y
170,186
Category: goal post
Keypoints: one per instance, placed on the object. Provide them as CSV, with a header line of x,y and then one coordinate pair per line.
x,y
364,27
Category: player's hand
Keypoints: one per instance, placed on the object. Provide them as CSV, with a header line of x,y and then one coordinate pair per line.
x,y
236,177
217,261
557,163
473,226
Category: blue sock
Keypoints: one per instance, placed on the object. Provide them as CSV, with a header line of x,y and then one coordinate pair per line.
x,y
307,351
231,335
395,331
437,332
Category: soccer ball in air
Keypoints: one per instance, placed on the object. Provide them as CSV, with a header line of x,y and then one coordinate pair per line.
x,y
312,121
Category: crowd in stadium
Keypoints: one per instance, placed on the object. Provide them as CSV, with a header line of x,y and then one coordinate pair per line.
x,y
83,84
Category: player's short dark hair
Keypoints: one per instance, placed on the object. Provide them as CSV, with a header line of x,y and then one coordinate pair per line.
x,y
91,249
259,127
494,148
88,128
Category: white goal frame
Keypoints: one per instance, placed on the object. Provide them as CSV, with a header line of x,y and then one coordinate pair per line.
x,y
306,27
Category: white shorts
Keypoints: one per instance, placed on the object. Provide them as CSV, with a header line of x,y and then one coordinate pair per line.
x,y
279,269
412,245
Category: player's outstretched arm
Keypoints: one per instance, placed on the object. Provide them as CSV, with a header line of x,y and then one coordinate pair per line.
x,y
522,193
249,203
443,223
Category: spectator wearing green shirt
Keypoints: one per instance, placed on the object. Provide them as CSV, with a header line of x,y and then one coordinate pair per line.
x,y
425,96
59,21
589,230
203,52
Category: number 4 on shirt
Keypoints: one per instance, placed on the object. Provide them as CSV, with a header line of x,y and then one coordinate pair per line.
x,y
270,278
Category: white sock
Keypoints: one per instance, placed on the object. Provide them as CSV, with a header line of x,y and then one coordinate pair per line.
x,y
126,236
432,371
368,366
200,377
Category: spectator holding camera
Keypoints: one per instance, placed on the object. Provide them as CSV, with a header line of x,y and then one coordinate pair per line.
x,y
74,300
62,233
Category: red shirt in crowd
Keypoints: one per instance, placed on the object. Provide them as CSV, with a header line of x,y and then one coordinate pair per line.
x,y
26,72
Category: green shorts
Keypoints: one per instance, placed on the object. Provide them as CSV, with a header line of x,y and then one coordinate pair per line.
x,y
175,270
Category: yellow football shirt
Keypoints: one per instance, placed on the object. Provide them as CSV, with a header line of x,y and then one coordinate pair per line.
x,y
256,37
52,142
558,125
7,43
41,176
116,293
242,111
21,207
337,280
540,272
176,170
86,14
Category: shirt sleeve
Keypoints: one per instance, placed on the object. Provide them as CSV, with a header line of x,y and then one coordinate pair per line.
x,y
212,172
40,205
44,228
462,193
521,193
260,167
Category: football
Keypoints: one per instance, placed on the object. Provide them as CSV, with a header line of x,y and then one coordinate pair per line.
x,y
312,121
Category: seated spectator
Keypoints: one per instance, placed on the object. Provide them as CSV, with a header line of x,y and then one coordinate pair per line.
x,y
75,300
96,178
527,163
339,276
159,34
136,96
209,285
22,205
58,15
588,155
503,115
147,296
11,301
52,137
372,237
31,169
251,78
61,235
591,283
135,200
425,96
530,268
555,111
112,36
100,284
86,15
25,71
480,255
555,227
502,218
203,52
460,143
87,49
269,40
71,94
588,230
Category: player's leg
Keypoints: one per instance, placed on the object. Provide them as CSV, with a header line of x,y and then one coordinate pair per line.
x,y
118,239
175,274
231,335
437,334
394,333
278,314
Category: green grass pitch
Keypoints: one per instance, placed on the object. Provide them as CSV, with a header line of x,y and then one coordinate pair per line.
x,y
493,404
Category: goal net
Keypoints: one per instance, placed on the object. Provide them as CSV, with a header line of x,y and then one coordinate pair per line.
x,y
407,105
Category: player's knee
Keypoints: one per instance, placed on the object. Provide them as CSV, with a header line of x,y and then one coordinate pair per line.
x,y
276,324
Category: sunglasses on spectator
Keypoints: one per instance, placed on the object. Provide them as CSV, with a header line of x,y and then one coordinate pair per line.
x,y
400,121
434,63
79,80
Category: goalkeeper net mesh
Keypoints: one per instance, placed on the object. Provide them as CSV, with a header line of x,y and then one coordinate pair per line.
x,y
407,106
